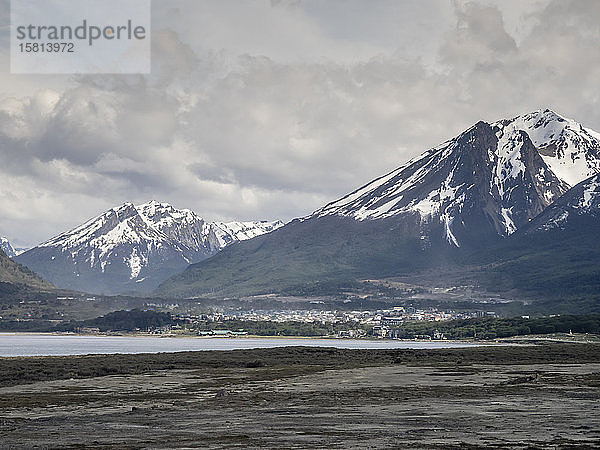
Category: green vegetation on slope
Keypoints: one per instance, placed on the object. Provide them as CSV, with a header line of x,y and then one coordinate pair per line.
x,y
15,277
129,320
560,266
115,321
559,269
329,249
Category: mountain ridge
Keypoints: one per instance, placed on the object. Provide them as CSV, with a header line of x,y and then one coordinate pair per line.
x,y
7,248
466,194
513,159
132,248
556,256
20,277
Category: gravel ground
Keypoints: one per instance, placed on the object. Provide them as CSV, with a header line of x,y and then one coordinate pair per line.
x,y
303,405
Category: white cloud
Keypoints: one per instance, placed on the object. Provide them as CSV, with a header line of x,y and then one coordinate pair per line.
x,y
270,109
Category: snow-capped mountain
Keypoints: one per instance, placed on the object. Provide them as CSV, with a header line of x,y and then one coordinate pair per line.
x,y
491,179
466,196
7,248
570,150
556,256
133,248
581,204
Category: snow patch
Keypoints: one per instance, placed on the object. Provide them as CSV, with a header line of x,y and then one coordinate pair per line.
x,y
447,221
509,225
135,264
590,193
135,234
571,151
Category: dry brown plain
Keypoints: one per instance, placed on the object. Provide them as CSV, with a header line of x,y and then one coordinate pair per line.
x,y
544,396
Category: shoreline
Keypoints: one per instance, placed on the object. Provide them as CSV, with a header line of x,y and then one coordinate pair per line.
x,y
592,338
242,337
47,345
19,369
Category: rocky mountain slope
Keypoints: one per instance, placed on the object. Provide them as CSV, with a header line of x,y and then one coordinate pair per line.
x,y
490,180
462,196
14,276
579,206
557,255
7,248
133,248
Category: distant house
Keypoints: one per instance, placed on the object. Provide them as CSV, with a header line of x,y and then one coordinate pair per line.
x,y
392,320
381,331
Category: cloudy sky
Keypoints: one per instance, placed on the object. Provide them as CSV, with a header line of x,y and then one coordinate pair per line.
x,y
265,109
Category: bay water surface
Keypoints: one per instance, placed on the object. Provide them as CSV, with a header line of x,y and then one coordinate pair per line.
x,y
17,344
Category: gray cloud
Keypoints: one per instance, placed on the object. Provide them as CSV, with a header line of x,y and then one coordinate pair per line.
x,y
479,39
270,109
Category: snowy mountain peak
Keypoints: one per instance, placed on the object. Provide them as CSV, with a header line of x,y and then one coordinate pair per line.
x,y
581,203
154,209
9,250
227,232
490,179
7,247
135,247
570,150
